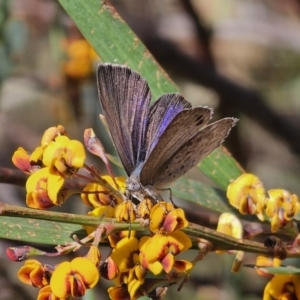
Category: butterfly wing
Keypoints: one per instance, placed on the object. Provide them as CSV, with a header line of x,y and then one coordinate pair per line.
x,y
190,153
162,112
125,99
181,129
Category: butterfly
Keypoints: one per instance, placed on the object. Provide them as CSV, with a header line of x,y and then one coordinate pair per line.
x,y
156,143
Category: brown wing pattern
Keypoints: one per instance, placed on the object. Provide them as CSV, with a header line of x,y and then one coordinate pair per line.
x,y
125,99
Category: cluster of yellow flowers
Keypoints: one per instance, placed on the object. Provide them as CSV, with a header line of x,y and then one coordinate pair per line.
x,y
248,195
50,166
281,286
138,262
68,279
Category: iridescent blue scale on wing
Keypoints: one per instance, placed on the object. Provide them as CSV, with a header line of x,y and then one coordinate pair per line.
x,y
162,112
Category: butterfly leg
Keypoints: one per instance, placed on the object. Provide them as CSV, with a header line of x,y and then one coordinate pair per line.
x,y
170,195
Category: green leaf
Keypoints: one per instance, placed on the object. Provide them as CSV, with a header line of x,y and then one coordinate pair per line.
x,y
114,41
279,270
220,167
204,195
115,160
38,231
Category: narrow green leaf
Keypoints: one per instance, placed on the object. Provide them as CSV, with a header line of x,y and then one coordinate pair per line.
x,y
204,195
38,231
115,160
114,41
220,167
279,270
90,295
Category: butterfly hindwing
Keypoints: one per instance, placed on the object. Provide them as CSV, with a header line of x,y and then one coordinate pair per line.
x,y
192,151
183,127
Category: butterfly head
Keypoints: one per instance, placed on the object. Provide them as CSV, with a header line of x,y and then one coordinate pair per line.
x,y
133,184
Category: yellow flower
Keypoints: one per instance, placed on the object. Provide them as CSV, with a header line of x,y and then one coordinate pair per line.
x,y
264,261
36,157
64,156
45,293
21,159
126,253
72,279
105,196
43,189
33,273
51,133
166,219
134,290
115,237
144,208
127,286
119,293
247,194
283,287
80,59
109,269
229,224
281,207
158,252
125,212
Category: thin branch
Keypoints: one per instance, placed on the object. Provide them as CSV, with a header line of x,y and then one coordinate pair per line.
x,y
12,176
204,34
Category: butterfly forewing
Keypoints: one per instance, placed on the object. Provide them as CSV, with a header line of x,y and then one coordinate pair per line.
x,y
125,98
191,152
183,127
